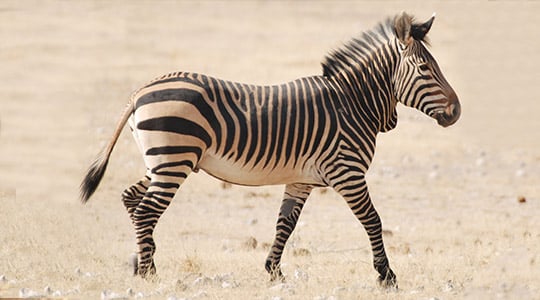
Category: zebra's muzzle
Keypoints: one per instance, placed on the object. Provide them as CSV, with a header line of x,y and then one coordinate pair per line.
x,y
450,115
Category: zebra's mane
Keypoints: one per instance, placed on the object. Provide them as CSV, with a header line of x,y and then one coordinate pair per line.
x,y
359,50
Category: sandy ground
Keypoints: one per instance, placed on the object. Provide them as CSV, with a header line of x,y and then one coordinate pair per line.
x,y
448,197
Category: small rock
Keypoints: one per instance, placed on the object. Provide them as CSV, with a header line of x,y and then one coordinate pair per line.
x,y
278,287
73,291
225,280
28,293
200,294
81,273
325,298
108,295
338,290
226,246
301,275
480,162
520,173
203,280
448,287
180,286
283,287
47,290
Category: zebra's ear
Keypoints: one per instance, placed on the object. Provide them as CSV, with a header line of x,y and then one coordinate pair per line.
x,y
402,27
419,31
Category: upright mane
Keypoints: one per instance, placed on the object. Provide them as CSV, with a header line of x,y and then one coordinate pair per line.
x,y
359,50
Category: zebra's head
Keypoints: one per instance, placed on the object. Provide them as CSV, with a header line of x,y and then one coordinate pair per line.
x,y
418,81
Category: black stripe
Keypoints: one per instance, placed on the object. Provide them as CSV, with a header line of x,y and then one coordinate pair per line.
x,y
165,185
253,125
311,92
284,123
176,125
274,125
185,95
302,98
186,163
263,139
292,101
170,150
220,87
321,118
239,101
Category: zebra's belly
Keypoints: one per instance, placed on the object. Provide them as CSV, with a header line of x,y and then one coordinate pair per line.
x,y
237,173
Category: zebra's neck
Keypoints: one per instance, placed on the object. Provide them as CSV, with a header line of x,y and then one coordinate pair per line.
x,y
368,85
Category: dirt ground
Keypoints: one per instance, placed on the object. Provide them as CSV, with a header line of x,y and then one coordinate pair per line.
x,y
460,206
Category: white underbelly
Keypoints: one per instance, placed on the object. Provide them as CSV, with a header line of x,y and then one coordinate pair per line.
x,y
235,172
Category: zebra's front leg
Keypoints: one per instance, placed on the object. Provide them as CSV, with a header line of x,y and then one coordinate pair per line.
x,y
355,191
293,201
157,198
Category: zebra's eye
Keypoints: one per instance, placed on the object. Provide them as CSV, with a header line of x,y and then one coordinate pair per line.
x,y
423,67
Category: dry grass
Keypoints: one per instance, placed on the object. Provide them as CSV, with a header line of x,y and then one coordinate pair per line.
x,y
459,205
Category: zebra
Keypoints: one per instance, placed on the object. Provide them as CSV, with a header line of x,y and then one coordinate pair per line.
x,y
317,131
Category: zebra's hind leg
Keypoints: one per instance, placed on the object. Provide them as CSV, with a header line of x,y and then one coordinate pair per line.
x,y
293,201
132,196
157,198
355,191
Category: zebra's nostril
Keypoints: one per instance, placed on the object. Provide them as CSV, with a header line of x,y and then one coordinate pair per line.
x,y
456,111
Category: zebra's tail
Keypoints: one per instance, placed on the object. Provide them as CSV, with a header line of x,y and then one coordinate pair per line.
x,y
97,169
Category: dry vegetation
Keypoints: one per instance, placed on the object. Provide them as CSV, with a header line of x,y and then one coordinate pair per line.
x,y
459,205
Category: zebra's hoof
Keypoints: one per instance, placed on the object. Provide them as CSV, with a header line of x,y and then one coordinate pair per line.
x,y
147,272
275,272
388,282
277,277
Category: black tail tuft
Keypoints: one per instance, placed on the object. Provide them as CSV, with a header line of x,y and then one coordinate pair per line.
x,y
93,177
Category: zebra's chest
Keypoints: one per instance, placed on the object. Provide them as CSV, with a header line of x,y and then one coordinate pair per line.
x,y
245,174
